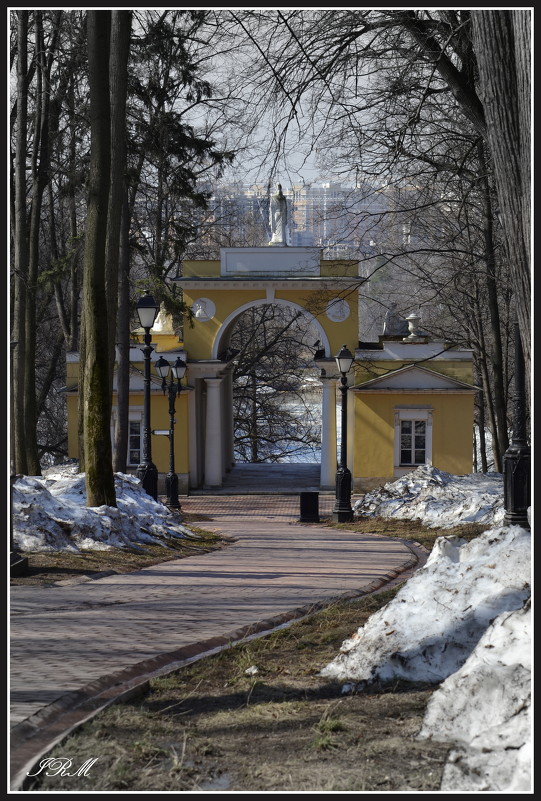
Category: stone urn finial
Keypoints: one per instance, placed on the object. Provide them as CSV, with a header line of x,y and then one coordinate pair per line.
x,y
413,325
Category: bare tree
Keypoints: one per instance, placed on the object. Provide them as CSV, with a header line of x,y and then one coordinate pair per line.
x,y
502,40
275,391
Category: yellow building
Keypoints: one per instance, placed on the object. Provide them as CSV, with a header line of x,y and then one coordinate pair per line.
x,y
413,404
218,292
166,344
410,399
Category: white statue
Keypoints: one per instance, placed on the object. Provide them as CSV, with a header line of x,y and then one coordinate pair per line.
x,y
278,218
163,323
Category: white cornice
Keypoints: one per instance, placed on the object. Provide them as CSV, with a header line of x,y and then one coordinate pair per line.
x,y
417,379
326,282
413,391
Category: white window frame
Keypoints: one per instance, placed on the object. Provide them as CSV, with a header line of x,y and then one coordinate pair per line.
x,y
134,419
409,413
135,414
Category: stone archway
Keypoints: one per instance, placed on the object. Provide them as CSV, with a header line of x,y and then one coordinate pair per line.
x,y
276,391
218,292
221,339
217,446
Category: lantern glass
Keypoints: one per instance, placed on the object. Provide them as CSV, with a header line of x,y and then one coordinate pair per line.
x,y
344,360
179,368
147,309
162,367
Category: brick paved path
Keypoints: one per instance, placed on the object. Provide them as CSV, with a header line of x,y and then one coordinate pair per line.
x,y
76,648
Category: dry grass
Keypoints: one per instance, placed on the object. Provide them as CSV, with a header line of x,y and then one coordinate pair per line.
x,y
409,529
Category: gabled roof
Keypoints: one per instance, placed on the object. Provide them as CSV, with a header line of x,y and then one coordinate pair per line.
x,y
414,378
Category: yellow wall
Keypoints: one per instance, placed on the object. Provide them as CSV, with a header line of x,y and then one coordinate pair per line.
x,y
199,337
159,419
452,435
452,432
159,406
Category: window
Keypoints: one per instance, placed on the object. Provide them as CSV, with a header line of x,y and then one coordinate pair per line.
x,y
412,441
134,442
412,438
135,425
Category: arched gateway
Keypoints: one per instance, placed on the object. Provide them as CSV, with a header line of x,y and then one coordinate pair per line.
x,y
218,292
411,401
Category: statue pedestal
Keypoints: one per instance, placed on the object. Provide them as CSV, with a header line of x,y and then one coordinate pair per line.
x,y
271,261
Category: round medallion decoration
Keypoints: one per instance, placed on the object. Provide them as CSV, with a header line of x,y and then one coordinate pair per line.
x,y
203,309
338,310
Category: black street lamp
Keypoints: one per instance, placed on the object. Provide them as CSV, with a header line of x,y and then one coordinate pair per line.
x,y
18,564
178,369
517,458
342,512
147,309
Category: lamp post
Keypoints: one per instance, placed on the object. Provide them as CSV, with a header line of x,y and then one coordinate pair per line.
x,y
517,458
18,565
147,309
342,512
178,369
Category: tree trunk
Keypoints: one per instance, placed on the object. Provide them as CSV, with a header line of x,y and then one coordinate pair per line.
x,y
499,395
118,79
480,405
96,400
40,179
20,249
71,344
502,46
253,426
123,345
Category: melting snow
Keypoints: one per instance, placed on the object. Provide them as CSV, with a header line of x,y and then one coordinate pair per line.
x,y
49,514
439,499
462,621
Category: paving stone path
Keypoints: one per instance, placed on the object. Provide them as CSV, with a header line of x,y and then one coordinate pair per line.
x,y
77,648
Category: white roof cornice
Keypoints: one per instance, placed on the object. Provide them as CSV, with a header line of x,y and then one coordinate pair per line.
x,y
414,378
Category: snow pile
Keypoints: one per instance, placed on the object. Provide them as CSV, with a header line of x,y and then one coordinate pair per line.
x,y
461,618
435,621
484,709
49,514
439,499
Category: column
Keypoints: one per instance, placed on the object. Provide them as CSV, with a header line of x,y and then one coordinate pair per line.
x,y
328,433
193,427
213,434
229,424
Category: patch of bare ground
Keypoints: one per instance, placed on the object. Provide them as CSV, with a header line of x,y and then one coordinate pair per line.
x,y
258,717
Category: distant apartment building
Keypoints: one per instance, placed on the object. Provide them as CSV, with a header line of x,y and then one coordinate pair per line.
x,y
345,221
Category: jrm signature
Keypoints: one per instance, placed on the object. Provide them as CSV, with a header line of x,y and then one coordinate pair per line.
x,y
60,766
